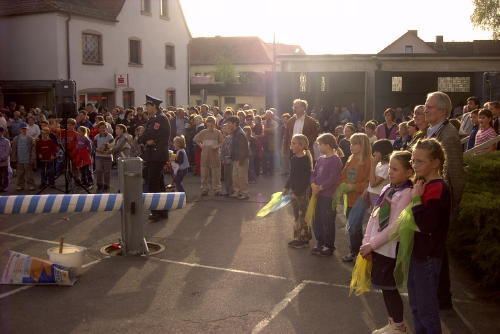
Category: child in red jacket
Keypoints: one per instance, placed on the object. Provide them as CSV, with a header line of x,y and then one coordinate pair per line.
x,y
46,150
83,156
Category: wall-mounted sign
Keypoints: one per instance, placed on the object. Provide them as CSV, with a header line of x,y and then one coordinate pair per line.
x,y
121,80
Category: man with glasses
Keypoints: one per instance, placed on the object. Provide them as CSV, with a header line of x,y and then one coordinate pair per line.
x,y
437,111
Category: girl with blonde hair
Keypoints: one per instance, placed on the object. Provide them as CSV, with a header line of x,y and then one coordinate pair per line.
x,y
297,186
355,178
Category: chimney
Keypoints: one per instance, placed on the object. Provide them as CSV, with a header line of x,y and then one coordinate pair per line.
x,y
414,32
439,43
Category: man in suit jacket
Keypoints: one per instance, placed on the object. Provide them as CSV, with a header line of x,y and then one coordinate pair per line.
x,y
300,123
437,111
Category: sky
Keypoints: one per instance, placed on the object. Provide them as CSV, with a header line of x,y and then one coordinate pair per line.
x,y
333,26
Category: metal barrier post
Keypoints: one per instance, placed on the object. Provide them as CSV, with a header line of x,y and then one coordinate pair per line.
x,y
130,183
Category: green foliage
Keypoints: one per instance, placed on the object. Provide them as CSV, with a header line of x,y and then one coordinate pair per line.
x,y
224,72
486,16
475,235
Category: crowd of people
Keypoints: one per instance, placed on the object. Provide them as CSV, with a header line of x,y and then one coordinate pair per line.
x,y
385,168
408,159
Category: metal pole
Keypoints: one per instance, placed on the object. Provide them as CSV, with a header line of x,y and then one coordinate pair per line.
x,y
130,182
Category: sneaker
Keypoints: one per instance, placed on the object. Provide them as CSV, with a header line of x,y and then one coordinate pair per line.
x,y
348,258
234,195
316,250
218,193
391,328
326,251
19,188
31,188
298,244
385,328
243,197
204,193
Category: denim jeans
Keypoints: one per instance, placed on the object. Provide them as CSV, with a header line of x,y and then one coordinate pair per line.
x,y
47,172
178,180
355,220
324,222
423,281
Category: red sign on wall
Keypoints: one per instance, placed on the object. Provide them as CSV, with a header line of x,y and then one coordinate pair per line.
x,y
121,80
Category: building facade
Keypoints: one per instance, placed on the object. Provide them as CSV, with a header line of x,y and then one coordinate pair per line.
x,y
399,76
115,50
233,71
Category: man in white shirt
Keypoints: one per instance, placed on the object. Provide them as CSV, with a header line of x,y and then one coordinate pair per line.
x,y
299,123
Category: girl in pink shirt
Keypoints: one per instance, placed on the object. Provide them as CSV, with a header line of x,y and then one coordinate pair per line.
x,y
486,130
377,245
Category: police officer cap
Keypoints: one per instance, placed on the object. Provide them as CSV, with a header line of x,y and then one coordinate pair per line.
x,y
153,100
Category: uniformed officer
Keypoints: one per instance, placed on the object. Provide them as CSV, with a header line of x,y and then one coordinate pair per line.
x,y
155,138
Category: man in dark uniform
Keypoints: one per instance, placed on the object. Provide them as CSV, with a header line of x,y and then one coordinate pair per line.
x,y
155,138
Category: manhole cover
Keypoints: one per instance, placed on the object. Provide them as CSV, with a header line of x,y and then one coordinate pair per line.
x,y
111,250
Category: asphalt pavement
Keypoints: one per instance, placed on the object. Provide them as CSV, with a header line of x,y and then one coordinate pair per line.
x,y
223,271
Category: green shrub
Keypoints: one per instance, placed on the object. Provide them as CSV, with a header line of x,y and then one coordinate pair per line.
x,y
475,234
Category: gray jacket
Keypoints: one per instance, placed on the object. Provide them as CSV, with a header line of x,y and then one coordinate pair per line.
x,y
454,172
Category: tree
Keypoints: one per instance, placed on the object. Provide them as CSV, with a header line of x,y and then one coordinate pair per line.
x,y
224,72
486,16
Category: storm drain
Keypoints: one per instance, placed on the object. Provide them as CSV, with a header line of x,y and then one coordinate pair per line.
x,y
115,250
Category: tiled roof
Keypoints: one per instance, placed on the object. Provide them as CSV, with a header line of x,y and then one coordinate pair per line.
x,y
100,9
234,50
475,48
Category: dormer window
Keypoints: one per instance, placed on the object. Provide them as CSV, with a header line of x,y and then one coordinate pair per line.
x,y
408,49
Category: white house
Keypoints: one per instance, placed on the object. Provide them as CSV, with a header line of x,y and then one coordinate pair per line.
x,y
115,50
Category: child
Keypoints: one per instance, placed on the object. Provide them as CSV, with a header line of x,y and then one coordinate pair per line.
x,y
137,149
376,242
344,143
379,170
122,146
181,159
72,136
412,130
474,117
356,176
324,181
339,132
46,150
252,149
431,210
24,154
370,128
402,139
83,156
209,141
297,186
103,143
4,160
227,164
486,131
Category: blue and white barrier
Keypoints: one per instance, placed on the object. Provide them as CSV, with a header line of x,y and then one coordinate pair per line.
x,y
20,204
163,201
